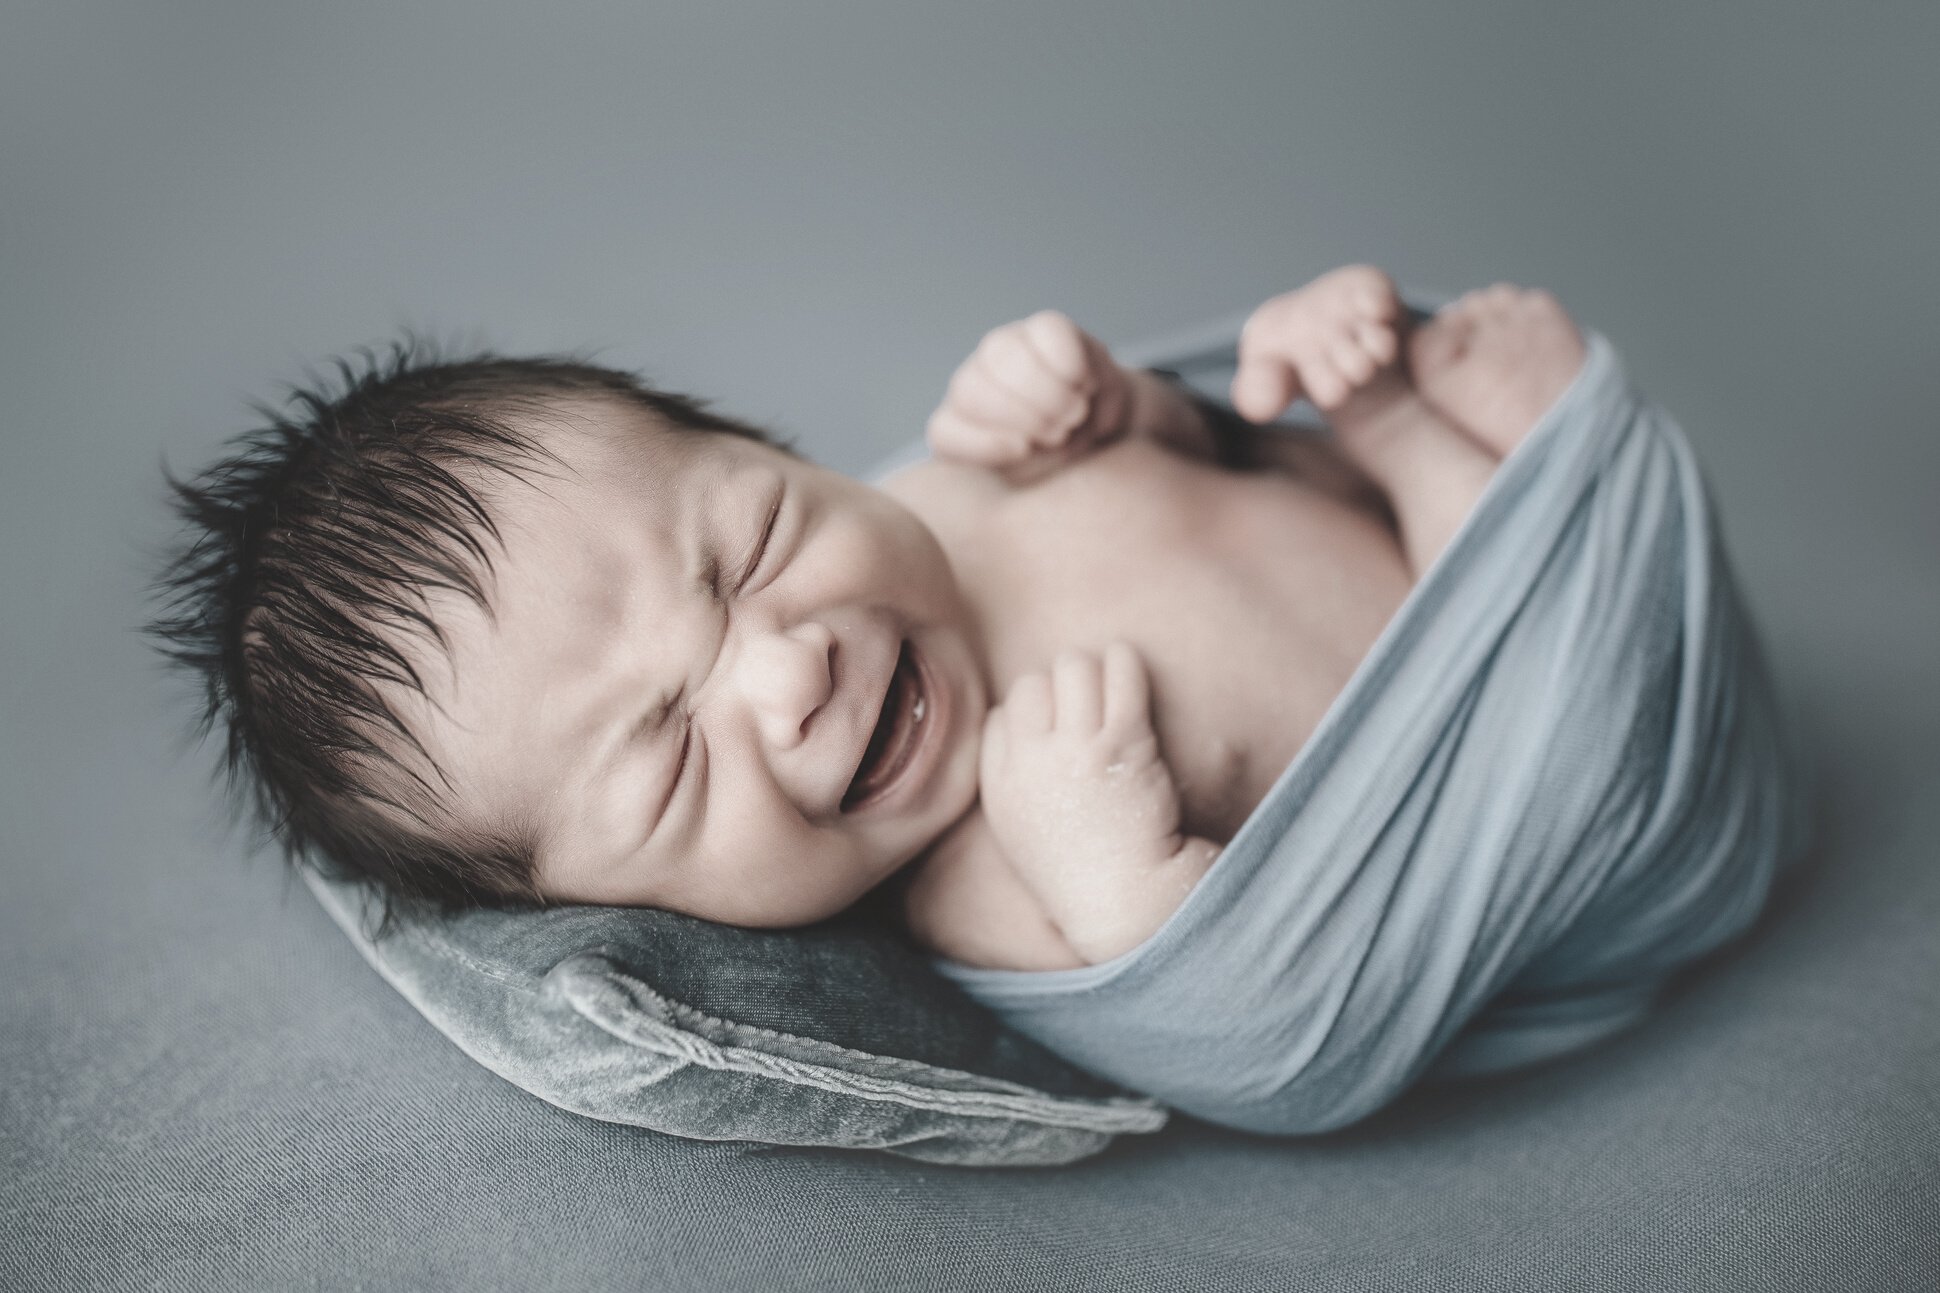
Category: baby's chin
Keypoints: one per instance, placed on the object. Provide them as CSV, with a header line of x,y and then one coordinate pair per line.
x,y
791,913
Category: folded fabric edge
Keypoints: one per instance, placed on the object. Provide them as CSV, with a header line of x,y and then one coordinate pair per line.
x,y
634,1013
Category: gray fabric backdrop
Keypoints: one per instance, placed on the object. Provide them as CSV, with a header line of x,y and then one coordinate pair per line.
x,y
811,213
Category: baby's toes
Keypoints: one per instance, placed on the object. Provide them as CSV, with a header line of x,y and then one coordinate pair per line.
x,y
1547,315
1489,302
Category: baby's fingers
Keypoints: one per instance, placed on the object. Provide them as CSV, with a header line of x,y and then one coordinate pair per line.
x,y
1028,705
1041,365
952,435
1078,679
1264,386
1326,385
1378,339
1063,350
988,391
1127,689
1352,362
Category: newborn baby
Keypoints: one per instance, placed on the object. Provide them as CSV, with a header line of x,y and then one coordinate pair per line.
x,y
523,630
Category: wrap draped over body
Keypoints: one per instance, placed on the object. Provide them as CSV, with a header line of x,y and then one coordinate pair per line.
x,y
1556,779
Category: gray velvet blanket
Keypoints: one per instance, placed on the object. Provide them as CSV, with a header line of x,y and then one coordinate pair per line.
x,y
1556,780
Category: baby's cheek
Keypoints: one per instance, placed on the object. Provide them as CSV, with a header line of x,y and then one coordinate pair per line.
x,y
856,563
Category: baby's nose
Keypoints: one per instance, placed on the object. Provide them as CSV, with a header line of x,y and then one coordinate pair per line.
x,y
787,677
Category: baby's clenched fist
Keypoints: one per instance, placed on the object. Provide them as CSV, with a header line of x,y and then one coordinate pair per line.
x,y
1324,341
1033,392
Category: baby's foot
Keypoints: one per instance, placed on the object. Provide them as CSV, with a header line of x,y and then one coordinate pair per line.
x,y
1326,341
1495,360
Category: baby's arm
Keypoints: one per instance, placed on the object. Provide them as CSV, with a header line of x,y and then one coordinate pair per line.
x,y
1079,799
965,901
1041,392
1338,342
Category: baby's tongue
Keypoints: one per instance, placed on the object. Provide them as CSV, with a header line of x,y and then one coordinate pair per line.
x,y
880,762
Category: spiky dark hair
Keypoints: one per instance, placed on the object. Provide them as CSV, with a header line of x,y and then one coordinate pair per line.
x,y
308,553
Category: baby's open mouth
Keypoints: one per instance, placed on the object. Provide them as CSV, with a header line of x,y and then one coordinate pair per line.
x,y
898,734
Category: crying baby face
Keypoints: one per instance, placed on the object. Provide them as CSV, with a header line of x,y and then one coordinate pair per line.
x,y
711,677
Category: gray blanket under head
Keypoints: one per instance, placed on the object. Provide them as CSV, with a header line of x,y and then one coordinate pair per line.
x,y
1556,779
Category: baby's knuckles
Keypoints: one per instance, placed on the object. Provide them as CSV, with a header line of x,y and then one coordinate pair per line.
x,y
1352,292
1058,789
1357,291
1060,345
1045,345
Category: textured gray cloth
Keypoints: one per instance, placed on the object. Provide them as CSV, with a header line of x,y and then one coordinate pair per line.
x,y
836,1035
1556,779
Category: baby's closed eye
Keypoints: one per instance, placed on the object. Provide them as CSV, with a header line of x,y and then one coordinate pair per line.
x,y
763,541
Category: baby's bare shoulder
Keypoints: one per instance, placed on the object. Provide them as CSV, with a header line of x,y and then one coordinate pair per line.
x,y
966,902
939,483
948,497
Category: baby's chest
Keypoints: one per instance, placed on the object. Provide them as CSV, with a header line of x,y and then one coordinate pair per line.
x,y
1252,597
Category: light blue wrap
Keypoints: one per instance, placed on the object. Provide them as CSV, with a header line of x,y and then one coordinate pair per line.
x,y
1556,779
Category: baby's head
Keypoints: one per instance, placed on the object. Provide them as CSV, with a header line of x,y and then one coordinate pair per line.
x,y
498,630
